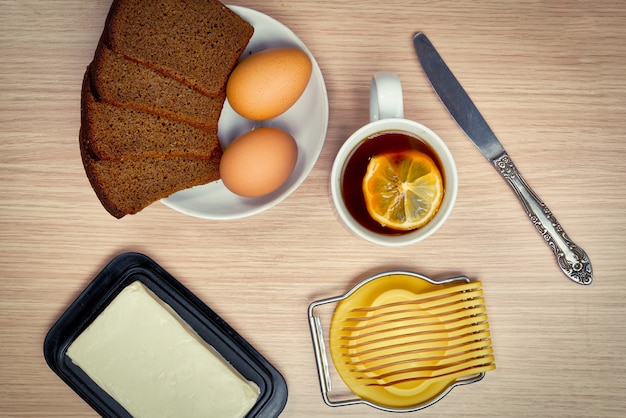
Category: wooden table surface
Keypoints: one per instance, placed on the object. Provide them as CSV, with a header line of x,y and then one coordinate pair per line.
x,y
550,78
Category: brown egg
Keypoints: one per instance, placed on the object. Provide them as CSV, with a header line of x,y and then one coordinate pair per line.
x,y
258,162
267,83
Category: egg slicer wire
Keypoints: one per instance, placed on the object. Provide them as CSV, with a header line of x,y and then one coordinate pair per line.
x,y
401,341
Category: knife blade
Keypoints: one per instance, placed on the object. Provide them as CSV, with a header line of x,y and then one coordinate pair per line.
x,y
571,258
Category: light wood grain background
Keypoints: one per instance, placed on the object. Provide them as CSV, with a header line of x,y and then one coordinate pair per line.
x,y
549,76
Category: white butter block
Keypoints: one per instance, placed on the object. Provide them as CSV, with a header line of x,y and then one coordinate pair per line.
x,y
152,363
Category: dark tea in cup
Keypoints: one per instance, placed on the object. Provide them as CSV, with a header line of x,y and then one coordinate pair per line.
x,y
355,169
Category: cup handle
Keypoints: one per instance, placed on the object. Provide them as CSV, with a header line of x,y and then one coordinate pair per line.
x,y
386,99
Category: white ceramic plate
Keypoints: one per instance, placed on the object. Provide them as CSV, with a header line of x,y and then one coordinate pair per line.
x,y
306,121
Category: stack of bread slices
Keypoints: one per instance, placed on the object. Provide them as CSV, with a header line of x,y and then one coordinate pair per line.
x,y
152,97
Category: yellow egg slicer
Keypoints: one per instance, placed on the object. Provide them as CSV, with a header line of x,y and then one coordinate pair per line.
x,y
400,341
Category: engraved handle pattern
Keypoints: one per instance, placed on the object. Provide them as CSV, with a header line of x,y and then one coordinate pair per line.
x,y
571,258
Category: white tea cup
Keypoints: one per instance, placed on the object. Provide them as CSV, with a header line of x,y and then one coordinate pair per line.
x,y
387,116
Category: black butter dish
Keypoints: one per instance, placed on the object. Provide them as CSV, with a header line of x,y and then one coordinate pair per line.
x,y
122,275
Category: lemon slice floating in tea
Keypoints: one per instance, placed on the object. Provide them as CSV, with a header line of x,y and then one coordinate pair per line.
x,y
403,190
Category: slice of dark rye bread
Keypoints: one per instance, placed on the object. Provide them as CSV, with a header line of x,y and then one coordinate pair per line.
x,y
124,83
197,42
113,132
124,187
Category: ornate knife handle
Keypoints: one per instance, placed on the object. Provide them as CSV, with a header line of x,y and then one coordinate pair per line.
x,y
572,259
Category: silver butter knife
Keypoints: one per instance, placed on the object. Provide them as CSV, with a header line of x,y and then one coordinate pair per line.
x,y
571,258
